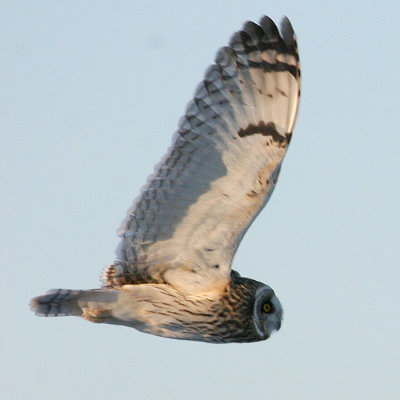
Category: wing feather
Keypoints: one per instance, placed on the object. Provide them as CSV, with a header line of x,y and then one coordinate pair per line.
x,y
225,158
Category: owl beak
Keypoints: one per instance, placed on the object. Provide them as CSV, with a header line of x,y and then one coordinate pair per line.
x,y
278,325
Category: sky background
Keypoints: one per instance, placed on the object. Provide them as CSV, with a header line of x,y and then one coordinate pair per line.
x,y
91,93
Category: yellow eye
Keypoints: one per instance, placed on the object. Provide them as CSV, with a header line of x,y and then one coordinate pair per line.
x,y
267,307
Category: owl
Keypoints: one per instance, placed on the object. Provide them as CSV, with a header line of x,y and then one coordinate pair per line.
x,y
172,275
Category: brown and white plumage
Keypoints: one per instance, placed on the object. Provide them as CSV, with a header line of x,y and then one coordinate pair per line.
x,y
172,275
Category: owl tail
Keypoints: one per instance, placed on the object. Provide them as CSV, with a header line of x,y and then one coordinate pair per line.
x,y
93,305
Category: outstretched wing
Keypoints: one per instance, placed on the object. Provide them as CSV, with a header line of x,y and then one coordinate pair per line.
x,y
222,167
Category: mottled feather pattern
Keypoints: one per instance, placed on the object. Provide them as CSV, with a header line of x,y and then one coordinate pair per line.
x,y
231,315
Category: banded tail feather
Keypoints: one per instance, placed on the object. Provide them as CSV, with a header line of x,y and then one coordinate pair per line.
x,y
88,304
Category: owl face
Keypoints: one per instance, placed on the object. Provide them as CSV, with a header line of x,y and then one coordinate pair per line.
x,y
267,313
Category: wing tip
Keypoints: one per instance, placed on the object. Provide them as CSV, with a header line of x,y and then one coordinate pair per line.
x,y
287,31
283,39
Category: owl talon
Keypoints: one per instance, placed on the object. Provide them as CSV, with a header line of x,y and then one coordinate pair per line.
x,y
96,316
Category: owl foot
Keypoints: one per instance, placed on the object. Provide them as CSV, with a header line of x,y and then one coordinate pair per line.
x,y
96,316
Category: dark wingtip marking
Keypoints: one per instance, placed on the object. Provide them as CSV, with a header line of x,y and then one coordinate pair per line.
x,y
263,129
288,34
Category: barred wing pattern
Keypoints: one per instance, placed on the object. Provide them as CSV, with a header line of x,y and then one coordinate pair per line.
x,y
221,169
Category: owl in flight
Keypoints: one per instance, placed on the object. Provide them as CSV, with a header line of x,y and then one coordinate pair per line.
x,y
172,275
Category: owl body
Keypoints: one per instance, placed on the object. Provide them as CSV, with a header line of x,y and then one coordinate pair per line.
x,y
234,315
173,276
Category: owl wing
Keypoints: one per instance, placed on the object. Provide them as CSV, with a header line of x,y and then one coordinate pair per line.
x,y
221,169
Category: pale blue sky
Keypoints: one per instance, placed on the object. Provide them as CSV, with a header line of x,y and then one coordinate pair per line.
x,y
91,92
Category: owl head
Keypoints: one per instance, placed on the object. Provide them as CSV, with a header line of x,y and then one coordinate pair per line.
x,y
267,315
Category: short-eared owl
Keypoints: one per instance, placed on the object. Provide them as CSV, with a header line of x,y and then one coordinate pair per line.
x,y
172,275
